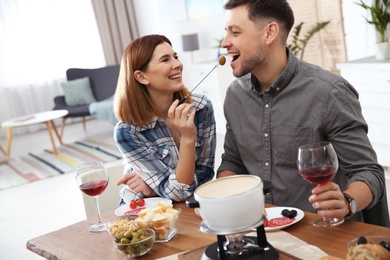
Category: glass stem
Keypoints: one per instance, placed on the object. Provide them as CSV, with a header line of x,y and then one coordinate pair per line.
x,y
97,209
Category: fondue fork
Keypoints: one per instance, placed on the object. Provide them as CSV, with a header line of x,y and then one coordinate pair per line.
x,y
221,62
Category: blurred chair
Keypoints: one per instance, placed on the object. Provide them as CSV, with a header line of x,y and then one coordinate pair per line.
x,y
102,82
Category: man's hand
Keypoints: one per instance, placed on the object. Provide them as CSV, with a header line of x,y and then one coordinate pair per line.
x,y
329,201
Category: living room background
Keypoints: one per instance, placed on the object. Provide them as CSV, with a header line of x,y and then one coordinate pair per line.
x,y
58,34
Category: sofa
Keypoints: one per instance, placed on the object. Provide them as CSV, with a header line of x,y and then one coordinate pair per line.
x,y
97,84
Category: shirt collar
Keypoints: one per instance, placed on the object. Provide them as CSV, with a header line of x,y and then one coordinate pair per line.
x,y
284,78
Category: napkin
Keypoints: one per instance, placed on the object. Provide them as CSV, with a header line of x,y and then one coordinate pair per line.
x,y
292,245
284,242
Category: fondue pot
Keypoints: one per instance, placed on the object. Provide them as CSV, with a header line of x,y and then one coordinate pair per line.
x,y
230,203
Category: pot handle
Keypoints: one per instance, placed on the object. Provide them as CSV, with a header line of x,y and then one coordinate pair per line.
x,y
192,203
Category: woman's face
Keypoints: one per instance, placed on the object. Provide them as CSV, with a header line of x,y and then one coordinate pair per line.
x,y
164,71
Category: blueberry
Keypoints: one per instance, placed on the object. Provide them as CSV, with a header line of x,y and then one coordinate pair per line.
x,y
289,213
292,214
285,212
385,244
361,240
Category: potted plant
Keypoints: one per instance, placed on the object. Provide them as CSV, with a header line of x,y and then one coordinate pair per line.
x,y
298,44
380,18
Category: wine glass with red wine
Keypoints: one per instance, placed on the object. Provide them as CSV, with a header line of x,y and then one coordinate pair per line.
x,y
318,164
92,178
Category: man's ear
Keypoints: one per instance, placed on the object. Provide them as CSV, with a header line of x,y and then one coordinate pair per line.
x,y
272,32
140,77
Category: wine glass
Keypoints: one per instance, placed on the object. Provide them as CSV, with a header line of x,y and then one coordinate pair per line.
x,y
92,178
318,164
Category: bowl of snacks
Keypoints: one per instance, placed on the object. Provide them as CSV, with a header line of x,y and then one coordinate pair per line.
x,y
379,240
128,238
163,219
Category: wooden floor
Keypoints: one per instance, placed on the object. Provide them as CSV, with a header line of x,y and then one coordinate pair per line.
x,y
36,208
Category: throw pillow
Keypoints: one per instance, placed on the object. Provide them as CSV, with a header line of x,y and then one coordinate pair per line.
x,y
78,92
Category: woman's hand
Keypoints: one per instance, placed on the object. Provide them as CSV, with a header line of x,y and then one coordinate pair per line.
x,y
137,184
182,117
329,201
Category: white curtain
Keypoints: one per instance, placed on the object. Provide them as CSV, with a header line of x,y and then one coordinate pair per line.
x,y
117,26
39,41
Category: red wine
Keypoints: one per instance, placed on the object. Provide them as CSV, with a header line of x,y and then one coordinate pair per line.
x,y
318,175
94,188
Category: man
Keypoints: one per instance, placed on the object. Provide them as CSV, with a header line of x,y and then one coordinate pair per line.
x,y
279,103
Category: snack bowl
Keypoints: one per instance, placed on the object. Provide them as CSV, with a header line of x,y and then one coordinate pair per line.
x,y
137,243
165,224
380,240
128,238
164,220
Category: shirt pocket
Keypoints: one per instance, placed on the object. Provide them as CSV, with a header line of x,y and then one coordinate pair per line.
x,y
286,140
161,152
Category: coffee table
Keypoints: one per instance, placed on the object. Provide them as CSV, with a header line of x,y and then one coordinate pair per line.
x,y
42,117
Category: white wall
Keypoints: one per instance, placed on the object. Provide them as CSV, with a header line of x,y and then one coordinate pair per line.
x,y
169,17
359,35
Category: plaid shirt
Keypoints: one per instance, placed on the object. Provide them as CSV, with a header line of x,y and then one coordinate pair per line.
x,y
151,152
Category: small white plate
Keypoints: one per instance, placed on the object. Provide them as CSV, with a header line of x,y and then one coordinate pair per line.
x,y
149,203
277,213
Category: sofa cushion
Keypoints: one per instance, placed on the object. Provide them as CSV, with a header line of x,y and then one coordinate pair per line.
x,y
78,92
103,110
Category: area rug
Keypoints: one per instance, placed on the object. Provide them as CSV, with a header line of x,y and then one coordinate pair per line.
x,y
38,165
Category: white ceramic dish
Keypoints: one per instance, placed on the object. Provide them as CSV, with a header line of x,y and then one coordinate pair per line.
x,y
277,213
149,203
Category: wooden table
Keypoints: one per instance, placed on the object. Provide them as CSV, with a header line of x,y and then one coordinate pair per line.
x,y
75,242
42,117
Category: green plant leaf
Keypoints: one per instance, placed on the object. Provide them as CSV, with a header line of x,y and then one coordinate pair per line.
x,y
380,16
298,45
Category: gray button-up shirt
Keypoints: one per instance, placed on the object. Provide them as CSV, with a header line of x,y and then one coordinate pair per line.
x,y
306,104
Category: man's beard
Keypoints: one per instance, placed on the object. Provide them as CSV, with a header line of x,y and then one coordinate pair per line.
x,y
254,61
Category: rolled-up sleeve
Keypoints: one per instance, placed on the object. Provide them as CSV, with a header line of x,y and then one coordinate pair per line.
x,y
347,130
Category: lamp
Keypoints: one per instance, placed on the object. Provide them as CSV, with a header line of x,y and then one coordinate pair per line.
x,y
190,43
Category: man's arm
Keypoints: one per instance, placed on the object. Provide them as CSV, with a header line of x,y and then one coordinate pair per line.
x,y
225,173
362,194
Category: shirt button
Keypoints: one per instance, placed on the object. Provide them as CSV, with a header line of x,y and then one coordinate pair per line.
x,y
266,106
266,164
265,135
277,89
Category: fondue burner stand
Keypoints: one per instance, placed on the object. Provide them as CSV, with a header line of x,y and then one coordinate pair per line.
x,y
237,246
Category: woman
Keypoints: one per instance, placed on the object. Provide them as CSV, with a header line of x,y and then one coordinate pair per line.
x,y
168,149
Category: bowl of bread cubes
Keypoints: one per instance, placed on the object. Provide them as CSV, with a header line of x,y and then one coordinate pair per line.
x,y
163,219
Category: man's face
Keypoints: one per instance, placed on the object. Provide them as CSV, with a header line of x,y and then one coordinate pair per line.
x,y
244,41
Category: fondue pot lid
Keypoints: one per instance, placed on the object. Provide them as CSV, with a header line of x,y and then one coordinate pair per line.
x,y
228,186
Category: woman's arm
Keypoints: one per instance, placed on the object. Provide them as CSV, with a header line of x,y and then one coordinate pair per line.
x,y
206,143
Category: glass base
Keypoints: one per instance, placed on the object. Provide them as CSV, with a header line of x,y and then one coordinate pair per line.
x,y
99,227
328,222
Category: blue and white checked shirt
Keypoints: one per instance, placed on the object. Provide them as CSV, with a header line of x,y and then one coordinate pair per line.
x,y
151,152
